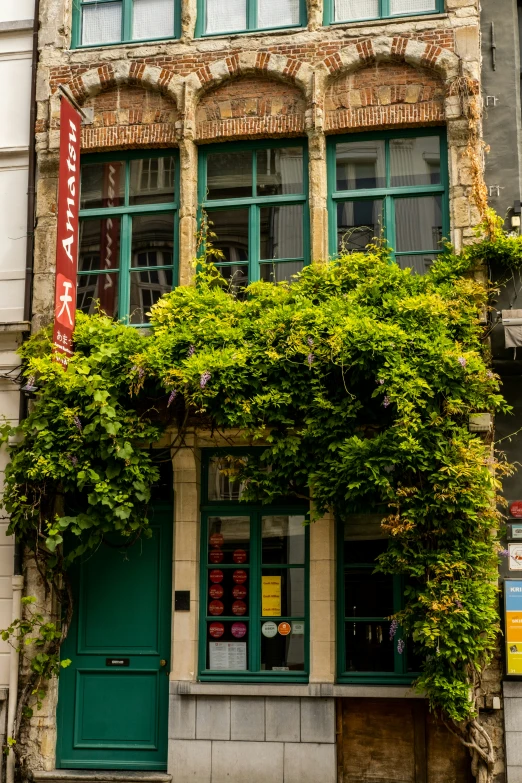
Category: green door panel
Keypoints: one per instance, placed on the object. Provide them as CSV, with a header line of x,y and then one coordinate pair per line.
x,y
113,698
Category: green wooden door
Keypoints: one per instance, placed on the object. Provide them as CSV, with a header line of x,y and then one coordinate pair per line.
x,y
113,698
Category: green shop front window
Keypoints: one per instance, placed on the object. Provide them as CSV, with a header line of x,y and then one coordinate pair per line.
x,y
217,17
100,22
389,187
370,647
254,589
255,200
128,222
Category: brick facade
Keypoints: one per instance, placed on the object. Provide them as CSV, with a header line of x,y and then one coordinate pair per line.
x,y
305,82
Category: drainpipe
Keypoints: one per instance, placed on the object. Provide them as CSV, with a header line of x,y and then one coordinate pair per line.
x,y
18,579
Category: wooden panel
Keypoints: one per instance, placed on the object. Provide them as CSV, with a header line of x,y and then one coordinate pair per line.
x,y
448,759
378,741
396,741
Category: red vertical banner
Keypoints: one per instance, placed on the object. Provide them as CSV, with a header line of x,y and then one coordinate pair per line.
x,y
67,233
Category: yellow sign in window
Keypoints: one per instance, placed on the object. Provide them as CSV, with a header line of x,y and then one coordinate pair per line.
x,y
271,596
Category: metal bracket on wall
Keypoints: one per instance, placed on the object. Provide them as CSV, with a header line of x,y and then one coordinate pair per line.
x,y
491,100
493,47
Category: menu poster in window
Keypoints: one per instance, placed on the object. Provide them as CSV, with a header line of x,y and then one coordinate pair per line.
x,y
513,597
271,596
227,656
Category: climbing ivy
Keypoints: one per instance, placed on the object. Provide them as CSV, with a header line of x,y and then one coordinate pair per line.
x,y
358,379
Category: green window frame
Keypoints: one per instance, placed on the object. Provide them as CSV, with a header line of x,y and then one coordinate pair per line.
x,y
251,16
129,273
382,196
117,19
252,208
374,628
253,618
376,9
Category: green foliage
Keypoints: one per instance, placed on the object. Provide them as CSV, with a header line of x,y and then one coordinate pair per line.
x,y
359,379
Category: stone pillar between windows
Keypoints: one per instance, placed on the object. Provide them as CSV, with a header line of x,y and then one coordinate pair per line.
x,y
322,600
188,199
318,196
186,467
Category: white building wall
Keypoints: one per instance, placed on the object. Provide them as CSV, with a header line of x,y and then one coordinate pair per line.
x,y
15,91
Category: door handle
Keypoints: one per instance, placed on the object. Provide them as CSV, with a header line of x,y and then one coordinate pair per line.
x,y
163,662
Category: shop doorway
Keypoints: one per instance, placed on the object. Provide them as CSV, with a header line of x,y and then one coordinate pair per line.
x,y
113,698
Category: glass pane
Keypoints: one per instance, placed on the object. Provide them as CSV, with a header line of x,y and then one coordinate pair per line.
x,y
236,277
282,646
367,594
418,223
363,552
229,175
94,288
356,9
228,592
153,240
285,270
152,19
145,290
419,264
225,16
230,227
280,171
277,13
227,645
359,224
101,23
411,6
283,589
221,474
99,244
360,165
102,185
281,232
415,161
229,540
283,539
368,647
152,180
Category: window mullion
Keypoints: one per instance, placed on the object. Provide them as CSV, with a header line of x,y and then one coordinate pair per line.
x,y
255,593
125,265
253,243
127,20
385,8
389,223
251,15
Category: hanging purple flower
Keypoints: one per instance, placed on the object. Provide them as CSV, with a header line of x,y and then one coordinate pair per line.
x,y
191,351
172,397
489,374
462,361
503,552
393,628
78,424
310,359
458,603
73,458
134,368
205,377
141,372
310,341
400,646
386,401
380,381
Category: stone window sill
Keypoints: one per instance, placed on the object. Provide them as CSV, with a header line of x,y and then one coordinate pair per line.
x,y
316,689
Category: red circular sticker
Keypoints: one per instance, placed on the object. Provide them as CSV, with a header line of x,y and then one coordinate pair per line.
x,y
239,556
238,591
216,539
239,608
216,630
284,628
215,607
515,509
215,591
238,630
216,556
216,575
239,577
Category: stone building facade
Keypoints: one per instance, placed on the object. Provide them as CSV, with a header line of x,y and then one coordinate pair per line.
x,y
407,76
